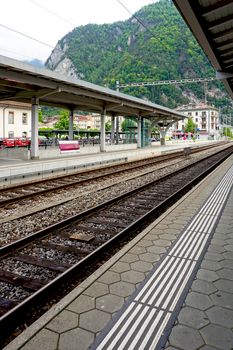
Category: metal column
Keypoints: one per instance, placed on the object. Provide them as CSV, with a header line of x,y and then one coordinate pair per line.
x,y
102,133
34,132
112,129
139,141
117,130
71,125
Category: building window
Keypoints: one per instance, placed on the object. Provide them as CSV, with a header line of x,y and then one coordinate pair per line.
x,y
11,118
11,134
189,113
24,118
196,113
203,114
196,120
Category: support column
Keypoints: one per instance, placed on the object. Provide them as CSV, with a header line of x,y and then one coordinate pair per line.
x,y
162,137
71,125
139,141
117,129
34,127
102,131
112,129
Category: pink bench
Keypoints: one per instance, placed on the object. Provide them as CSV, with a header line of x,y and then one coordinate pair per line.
x,y
69,146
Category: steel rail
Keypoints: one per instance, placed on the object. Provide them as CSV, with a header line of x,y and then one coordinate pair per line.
x,y
126,167
11,317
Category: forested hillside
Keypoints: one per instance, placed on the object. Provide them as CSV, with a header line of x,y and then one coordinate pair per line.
x,y
129,52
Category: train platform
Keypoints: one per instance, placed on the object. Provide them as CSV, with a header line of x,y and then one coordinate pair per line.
x,y
14,170
170,288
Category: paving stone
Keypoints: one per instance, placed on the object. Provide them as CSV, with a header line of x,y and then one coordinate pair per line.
x,y
152,237
221,316
97,289
177,226
207,275
149,257
213,256
44,340
63,322
225,285
217,241
94,320
220,236
75,339
173,231
109,277
144,243
141,266
109,303
191,317
122,289
129,258
210,265
81,304
120,267
229,247
226,274
223,299
204,287
156,250
162,225
162,242
132,276
207,347
170,237
226,263
216,249
198,301
185,338
216,336
137,250
229,241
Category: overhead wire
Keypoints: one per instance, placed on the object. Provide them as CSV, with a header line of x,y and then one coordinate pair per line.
x,y
30,37
138,19
53,13
34,39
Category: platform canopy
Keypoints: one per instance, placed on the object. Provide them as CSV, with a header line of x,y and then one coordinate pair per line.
x,y
23,82
211,22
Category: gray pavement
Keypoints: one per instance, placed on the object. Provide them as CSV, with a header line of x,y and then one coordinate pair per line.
x,y
206,317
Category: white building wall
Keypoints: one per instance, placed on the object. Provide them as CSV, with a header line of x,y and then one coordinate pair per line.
x,y
17,128
206,118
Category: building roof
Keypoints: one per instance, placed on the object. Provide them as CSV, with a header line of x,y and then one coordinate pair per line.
x,y
22,82
196,107
211,22
15,104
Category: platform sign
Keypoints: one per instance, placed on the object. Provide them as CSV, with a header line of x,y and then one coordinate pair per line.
x,y
69,146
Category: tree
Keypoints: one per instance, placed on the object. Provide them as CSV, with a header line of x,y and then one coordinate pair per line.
x,y
128,123
63,121
108,126
190,126
40,116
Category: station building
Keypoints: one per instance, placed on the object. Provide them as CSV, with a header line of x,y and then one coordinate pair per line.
x,y
205,117
15,119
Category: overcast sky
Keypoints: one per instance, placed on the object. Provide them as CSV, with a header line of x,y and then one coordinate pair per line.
x,y
27,17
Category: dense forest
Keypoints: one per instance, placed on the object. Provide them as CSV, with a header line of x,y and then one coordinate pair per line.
x,y
161,47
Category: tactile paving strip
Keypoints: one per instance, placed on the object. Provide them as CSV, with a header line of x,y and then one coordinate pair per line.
x,y
146,319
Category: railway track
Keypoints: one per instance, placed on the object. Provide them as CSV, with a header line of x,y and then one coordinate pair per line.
x,y
15,193
33,267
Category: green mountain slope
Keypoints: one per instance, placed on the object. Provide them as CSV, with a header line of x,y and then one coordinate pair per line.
x,y
128,52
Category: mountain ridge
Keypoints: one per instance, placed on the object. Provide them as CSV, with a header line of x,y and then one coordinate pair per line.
x,y
163,48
